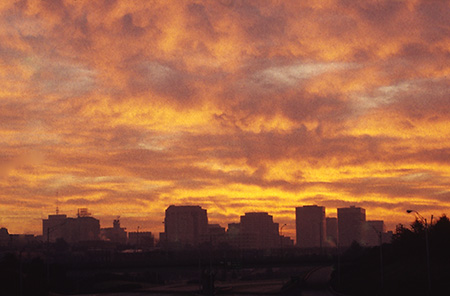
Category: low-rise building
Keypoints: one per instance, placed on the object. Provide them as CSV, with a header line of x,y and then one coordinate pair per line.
x,y
72,230
115,234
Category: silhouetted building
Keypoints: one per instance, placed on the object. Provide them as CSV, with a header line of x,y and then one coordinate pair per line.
x,y
257,231
83,229
216,235
115,234
141,239
72,230
22,240
332,231
310,226
286,242
185,225
54,227
351,225
234,234
4,237
162,242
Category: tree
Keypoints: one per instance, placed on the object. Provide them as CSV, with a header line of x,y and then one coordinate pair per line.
x,y
405,262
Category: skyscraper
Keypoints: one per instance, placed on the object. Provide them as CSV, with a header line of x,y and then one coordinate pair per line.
x,y
351,225
185,225
310,226
258,231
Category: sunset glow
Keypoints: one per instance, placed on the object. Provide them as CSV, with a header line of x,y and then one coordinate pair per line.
x,y
127,107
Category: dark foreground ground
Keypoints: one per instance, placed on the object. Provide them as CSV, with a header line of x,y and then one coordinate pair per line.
x,y
94,272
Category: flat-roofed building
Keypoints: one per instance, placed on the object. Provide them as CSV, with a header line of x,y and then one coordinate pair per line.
x,y
115,234
351,222
310,226
216,235
54,227
258,231
185,225
141,239
72,230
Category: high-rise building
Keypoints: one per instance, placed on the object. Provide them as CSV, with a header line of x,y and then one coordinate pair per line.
x,y
258,231
351,225
332,231
185,225
310,226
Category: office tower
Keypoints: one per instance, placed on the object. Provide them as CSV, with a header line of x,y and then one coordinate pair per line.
x,y
83,228
310,226
351,225
332,231
185,225
258,231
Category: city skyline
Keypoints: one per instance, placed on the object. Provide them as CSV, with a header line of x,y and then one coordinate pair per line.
x,y
190,224
236,106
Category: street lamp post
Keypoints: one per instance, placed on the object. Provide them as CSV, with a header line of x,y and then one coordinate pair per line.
x,y
281,229
427,245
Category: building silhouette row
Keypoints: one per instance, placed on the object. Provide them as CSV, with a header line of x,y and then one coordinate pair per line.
x,y
85,228
187,226
315,230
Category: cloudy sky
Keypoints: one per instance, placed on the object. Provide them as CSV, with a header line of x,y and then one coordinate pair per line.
x,y
127,107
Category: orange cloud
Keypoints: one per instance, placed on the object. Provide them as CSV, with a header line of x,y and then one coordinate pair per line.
x,y
127,108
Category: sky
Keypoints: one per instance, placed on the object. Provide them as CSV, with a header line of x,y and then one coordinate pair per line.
x,y
127,107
